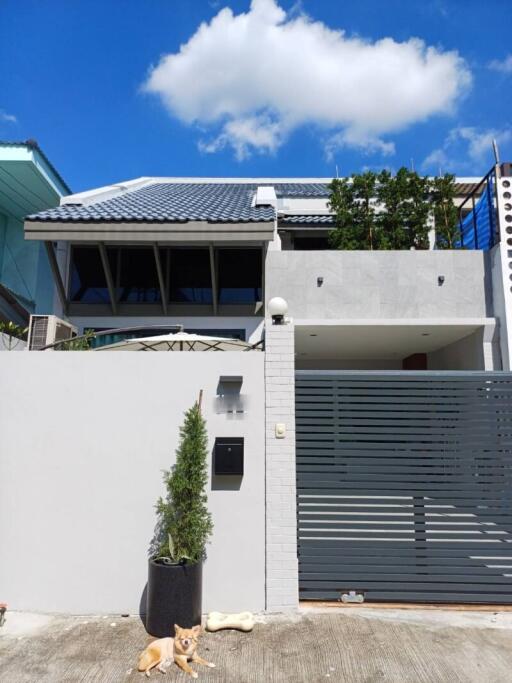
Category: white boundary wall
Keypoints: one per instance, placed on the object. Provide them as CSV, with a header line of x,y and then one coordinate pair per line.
x,y
84,438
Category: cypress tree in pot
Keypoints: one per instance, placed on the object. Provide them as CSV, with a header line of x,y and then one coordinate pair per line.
x,y
184,527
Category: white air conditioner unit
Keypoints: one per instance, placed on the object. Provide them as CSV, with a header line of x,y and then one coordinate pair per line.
x,y
48,329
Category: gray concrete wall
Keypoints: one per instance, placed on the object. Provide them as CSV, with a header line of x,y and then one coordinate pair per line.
x,y
84,440
479,350
464,354
380,284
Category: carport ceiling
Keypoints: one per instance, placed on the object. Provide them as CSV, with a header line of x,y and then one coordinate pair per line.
x,y
375,340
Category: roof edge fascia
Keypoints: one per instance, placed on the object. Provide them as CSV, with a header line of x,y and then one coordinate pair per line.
x,y
30,151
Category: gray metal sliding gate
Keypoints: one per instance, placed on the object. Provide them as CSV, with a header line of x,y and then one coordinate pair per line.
x,y
404,486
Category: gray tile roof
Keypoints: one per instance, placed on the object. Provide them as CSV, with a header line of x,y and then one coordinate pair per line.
x,y
171,202
315,221
301,189
180,202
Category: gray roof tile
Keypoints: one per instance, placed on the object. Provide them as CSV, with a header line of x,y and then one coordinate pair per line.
x,y
180,202
322,220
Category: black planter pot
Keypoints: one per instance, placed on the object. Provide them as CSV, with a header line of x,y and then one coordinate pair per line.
x,y
174,597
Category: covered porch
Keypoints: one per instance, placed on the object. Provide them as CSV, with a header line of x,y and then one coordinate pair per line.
x,y
397,344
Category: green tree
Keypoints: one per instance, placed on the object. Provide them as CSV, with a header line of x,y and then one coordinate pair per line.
x,y
381,211
445,212
185,524
417,210
403,210
391,195
353,203
346,235
82,343
364,189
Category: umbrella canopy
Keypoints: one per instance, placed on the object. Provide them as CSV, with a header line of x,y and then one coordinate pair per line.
x,y
180,341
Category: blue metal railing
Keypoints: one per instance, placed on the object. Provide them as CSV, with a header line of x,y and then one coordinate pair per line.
x,y
479,228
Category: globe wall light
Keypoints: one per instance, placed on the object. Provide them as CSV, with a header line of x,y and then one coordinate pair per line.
x,y
277,309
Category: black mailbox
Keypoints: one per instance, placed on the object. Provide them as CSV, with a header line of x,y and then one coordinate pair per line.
x,y
228,455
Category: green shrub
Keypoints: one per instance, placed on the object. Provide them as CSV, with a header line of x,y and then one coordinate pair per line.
x,y
385,211
185,525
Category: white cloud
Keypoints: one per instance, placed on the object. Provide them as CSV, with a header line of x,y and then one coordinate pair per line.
x,y
252,79
258,132
466,147
504,65
366,143
7,118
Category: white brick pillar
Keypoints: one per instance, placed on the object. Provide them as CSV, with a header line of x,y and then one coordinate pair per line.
x,y
282,590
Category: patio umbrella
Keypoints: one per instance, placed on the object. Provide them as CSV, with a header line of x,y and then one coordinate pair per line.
x,y
180,341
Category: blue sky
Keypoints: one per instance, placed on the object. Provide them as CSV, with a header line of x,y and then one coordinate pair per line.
x,y
269,89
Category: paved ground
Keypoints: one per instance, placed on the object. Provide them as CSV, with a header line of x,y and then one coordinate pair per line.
x,y
370,646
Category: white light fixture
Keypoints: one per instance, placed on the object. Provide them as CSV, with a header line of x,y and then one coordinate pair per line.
x,y
277,309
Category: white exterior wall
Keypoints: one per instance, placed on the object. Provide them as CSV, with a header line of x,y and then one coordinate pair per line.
x,y
498,301
84,439
281,517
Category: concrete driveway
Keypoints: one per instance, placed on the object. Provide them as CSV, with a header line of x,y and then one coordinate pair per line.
x,y
352,645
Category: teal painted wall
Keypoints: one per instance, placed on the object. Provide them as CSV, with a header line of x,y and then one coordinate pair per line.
x,y
24,267
28,184
3,230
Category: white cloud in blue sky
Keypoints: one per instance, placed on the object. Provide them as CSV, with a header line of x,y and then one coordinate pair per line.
x,y
502,65
250,80
7,118
465,147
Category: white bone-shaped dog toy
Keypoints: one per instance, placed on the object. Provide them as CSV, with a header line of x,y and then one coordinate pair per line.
x,y
243,621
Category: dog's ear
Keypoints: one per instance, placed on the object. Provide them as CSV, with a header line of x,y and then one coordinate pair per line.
x,y
177,629
196,630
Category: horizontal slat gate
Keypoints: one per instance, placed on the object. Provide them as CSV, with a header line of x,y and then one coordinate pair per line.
x,y
404,486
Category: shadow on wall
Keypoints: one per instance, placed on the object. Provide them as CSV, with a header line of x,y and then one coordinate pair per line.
x,y
226,482
143,605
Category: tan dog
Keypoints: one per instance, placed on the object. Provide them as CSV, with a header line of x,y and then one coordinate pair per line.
x,y
181,648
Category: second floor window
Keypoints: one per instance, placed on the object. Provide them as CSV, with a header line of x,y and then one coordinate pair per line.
x,y
138,279
186,273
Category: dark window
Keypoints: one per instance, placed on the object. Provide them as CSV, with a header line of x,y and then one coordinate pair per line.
x,y
138,279
190,276
239,275
311,243
87,283
225,333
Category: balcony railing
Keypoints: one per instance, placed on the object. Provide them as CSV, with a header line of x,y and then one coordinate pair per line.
x,y
478,223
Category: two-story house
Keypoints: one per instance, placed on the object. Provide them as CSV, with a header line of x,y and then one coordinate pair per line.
x,y
376,422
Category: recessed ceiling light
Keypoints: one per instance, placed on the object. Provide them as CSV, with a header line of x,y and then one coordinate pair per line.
x,y
425,334
313,335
